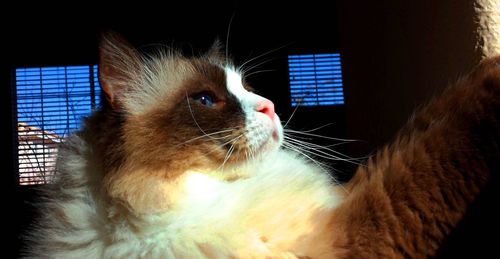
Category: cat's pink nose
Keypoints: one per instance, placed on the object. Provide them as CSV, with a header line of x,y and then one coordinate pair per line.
x,y
267,107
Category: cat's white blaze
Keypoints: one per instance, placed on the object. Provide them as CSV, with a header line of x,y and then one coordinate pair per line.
x,y
249,102
234,85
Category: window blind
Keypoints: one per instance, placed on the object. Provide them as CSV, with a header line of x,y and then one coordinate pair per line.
x,y
315,79
51,102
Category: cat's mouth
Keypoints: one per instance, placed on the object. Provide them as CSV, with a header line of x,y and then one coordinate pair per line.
x,y
259,137
273,140
275,135
268,145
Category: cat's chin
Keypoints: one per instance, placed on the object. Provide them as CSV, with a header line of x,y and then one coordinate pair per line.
x,y
272,144
276,139
269,146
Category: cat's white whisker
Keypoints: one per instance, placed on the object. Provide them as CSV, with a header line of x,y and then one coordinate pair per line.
x,y
259,71
305,147
229,152
227,36
318,153
313,145
248,69
306,133
222,146
315,129
251,155
208,135
323,152
263,54
232,140
328,156
307,139
291,116
226,157
323,166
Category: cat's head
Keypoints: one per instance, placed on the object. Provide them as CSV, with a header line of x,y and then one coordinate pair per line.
x,y
184,113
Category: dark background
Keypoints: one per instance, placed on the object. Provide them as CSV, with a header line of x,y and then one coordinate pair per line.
x,y
395,54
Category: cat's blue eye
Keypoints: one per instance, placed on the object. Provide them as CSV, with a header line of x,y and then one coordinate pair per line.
x,y
205,99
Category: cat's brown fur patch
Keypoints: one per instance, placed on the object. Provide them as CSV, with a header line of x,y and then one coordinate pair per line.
x,y
158,144
409,197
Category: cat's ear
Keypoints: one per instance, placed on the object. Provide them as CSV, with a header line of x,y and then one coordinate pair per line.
x,y
215,53
119,64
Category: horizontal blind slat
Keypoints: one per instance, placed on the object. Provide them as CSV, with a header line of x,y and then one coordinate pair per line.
x,y
315,79
51,103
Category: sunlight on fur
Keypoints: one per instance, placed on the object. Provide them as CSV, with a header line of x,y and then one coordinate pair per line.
x,y
488,15
183,160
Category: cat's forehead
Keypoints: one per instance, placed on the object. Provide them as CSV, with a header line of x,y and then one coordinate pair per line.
x,y
174,76
205,70
223,76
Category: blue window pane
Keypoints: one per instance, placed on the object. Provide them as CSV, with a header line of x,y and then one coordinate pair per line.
x,y
51,103
315,79
67,92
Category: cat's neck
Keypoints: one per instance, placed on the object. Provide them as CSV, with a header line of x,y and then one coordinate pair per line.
x,y
200,204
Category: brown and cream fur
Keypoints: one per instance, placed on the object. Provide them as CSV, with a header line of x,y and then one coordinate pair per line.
x,y
149,175
415,191
159,173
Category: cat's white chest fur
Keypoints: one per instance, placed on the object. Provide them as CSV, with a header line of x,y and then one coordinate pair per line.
x,y
281,209
278,210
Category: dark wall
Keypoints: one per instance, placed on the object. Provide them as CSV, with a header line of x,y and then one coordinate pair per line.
x,y
397,54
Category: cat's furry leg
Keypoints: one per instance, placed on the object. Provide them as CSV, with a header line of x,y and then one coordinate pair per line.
x,y
418,188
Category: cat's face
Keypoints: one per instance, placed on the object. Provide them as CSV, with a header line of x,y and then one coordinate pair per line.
x,y
187,112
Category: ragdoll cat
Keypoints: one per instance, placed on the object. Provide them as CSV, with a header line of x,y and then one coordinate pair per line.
x,y
184,161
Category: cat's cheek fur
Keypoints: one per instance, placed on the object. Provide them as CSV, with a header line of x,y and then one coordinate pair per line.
x,y
279,130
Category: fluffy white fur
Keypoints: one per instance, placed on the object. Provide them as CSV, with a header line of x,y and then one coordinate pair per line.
x,y
277,211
